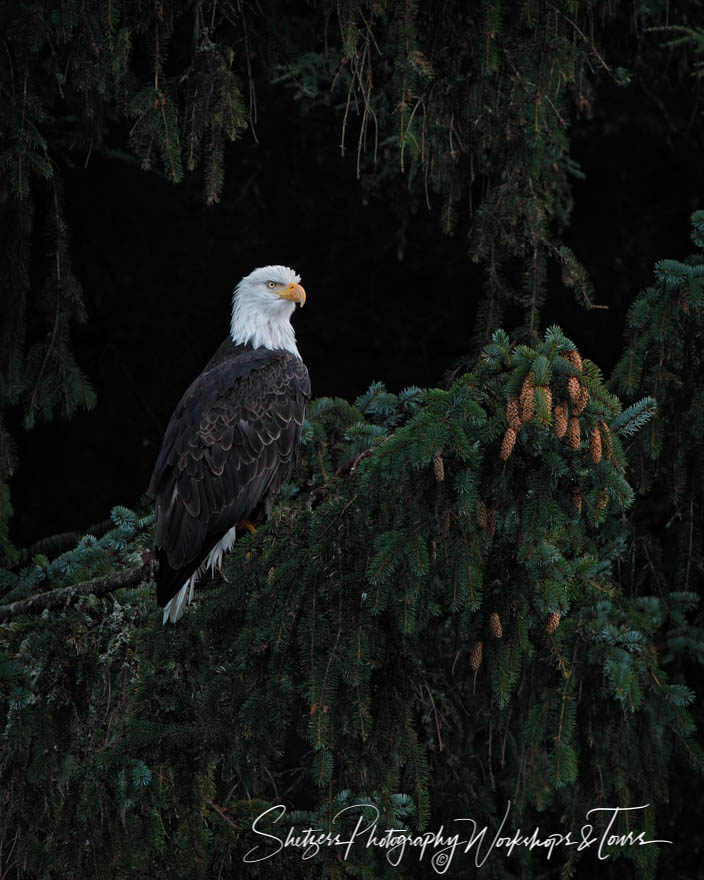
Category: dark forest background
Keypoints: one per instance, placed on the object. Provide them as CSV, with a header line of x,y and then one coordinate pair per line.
x,y
392,294
498,601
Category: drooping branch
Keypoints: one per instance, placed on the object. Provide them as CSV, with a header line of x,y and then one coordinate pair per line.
x,y
66,596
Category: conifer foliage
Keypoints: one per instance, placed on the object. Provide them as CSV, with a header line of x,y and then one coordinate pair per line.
x,y
459,601
664,356
470,104
70,73
423,624
469,98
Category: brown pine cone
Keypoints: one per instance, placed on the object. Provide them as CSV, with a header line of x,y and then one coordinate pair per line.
x,y
595,445
528,411
582,401
513,414
606,437
527,399
561,419
574,358
475,659
439,468
553,622
507,444
573,389
495,627
573,433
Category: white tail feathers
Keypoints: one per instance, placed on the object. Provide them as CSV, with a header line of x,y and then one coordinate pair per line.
x,y
176,606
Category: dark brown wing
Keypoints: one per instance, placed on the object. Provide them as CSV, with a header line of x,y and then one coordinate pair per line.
x,y
229,446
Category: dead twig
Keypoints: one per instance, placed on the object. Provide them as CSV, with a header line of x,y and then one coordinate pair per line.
x,y
222,813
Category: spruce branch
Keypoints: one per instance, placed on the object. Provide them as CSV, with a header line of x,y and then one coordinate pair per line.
x,y
55,544
349,467
66,596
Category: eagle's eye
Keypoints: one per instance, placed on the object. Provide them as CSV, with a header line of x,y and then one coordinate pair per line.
x,y
271,285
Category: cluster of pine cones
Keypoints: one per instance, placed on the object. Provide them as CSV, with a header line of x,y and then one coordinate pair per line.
x,y
496,631
520,410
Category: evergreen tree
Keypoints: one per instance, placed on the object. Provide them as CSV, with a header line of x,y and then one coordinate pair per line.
x,y
474,101
469,104
459,602
430,623
71,75
663,358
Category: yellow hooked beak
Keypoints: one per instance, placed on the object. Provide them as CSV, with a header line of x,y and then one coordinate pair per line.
x,y
294,292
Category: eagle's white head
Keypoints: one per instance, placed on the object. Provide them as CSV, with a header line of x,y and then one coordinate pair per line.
x,y
262,306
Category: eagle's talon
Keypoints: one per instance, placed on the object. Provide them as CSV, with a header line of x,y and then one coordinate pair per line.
x,y
246,525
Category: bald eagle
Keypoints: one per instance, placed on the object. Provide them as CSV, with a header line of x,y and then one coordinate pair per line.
x,y
232,440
